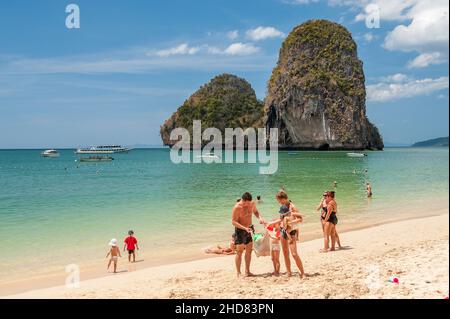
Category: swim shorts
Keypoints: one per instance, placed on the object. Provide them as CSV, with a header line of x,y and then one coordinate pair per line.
x,y
242,237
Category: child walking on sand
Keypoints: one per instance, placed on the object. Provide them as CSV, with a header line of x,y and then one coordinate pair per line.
x,y
131,245
114,252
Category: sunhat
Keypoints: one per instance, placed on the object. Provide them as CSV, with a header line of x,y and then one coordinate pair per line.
x,y
113,242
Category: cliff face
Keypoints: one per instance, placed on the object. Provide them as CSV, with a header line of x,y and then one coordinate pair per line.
x,y
316,94
226,101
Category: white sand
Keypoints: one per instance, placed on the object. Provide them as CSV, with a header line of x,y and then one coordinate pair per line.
x,y
415,250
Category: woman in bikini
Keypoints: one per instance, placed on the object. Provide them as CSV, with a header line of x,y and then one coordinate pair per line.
x,y
289,237
322,207
323,213
330,223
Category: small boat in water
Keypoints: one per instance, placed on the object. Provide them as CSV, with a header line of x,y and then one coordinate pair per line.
x,y
356,154
209,156
97,159
50,153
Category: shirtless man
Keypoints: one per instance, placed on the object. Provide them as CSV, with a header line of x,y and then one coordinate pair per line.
x,y
242,221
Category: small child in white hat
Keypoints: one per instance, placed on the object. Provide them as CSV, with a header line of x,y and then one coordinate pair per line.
x,y
114,252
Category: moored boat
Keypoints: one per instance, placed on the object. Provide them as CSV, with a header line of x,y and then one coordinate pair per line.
x,y
50,153
356,154
103,149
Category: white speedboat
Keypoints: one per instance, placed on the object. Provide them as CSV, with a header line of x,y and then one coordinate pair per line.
x,y
209,156
50,153
103,149
356,154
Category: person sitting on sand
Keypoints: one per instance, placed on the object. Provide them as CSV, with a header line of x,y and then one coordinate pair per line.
x,y
369,190
289,237
114,252
242,221
131,244
219,250
330,221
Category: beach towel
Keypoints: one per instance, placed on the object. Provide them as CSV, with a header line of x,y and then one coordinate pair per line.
x,y
261,245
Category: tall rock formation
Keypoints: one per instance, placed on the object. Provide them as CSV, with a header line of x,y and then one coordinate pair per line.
x,y
227,101
316,94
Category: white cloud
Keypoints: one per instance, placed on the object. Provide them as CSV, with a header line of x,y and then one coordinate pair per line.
x,y
234,49
389,10
261,33
424,27
237,56
400,86
426,59
182,49
369,37
427,32
232,35
398,77
241,49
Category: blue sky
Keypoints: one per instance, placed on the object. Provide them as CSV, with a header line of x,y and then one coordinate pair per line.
x,y
132,63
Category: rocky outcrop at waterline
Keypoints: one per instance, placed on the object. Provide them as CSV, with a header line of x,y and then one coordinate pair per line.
x,y
227,101
316,94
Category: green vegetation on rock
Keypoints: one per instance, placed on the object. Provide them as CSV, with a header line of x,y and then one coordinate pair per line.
x,y
316,94
436,142
226,101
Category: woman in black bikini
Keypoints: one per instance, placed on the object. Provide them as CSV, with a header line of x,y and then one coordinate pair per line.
x,y
290,244
330,223
323,210
323,213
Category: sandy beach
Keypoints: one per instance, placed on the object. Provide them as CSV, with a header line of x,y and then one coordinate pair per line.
x,y
416,251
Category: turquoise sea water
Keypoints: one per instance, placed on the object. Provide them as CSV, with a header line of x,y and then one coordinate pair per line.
x,y
55,211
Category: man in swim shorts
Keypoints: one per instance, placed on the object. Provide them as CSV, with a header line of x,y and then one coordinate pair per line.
x,y
242,221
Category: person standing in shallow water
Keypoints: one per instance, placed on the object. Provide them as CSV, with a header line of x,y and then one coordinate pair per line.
x,y
369,190
289,245
242,221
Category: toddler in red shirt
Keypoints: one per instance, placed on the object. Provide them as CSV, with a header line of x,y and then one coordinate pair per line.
x,y
131,245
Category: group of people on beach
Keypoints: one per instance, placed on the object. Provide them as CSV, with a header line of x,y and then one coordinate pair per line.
x,y
130,245
283,231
